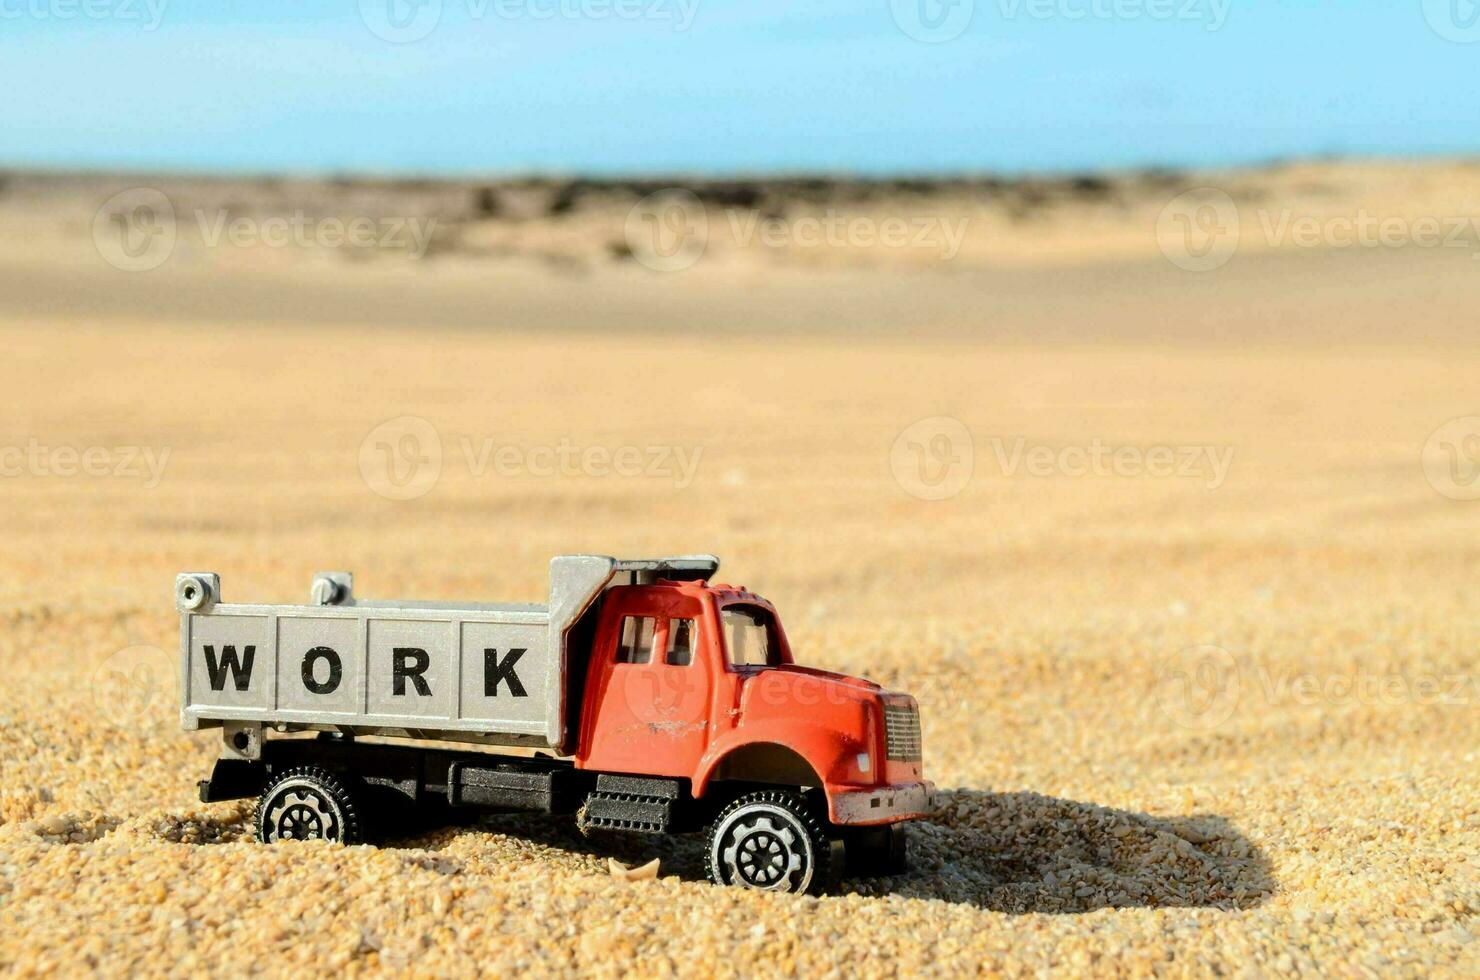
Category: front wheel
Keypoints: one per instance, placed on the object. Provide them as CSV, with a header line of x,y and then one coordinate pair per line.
x,y
770,840
308,803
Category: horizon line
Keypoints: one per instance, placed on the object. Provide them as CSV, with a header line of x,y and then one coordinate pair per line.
x,y
704,174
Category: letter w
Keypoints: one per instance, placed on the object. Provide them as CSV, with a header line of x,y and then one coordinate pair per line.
x,y
495,670
241,669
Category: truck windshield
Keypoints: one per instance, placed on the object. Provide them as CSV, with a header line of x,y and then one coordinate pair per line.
x,y
750,638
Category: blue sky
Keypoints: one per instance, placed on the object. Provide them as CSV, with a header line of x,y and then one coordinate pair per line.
x,y
632,86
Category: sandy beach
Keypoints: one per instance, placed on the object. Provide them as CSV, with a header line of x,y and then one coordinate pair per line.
x,y
1162,507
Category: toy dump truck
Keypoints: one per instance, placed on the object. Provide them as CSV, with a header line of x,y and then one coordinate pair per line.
x,y
655,701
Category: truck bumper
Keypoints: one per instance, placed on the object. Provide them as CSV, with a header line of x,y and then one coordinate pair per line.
x,y
857,807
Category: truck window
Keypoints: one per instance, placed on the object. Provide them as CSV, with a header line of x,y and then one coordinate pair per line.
x,y
636,646
680,643
748,637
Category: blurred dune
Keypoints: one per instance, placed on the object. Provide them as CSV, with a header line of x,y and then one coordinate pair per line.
x,y
1321,253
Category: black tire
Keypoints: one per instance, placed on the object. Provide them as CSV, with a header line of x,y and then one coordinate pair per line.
x,y
876,852
770,840
308,803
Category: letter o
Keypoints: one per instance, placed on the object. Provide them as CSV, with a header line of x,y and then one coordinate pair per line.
x,y
310,659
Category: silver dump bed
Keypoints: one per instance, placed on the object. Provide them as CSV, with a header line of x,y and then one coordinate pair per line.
x,y
472,672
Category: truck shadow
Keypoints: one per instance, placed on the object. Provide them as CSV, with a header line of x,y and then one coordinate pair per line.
x,y
1009,852
1024,852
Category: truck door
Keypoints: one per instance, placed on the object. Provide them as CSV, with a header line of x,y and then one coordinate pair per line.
x,y
650,709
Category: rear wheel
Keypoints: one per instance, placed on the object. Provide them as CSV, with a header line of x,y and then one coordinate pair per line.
x,y
308,803
770,840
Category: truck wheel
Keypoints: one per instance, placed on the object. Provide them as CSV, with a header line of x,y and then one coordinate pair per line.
x,y
308,803
874,852
770,840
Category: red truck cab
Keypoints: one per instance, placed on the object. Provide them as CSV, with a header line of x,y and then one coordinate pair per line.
x,y
697,682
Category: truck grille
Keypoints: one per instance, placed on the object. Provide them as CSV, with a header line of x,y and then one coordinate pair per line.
x,y
902,733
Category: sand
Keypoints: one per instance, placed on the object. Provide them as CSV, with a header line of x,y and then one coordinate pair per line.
x,y
1172,561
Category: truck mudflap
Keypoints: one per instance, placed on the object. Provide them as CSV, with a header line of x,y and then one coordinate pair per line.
x,y
232,779
852,806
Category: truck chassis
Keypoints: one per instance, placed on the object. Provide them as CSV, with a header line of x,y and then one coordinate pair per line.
x,y
339,787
